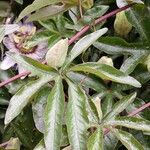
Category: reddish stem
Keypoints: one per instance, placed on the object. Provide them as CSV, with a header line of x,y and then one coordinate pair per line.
x,y
14,78
72,40
133,113
97,21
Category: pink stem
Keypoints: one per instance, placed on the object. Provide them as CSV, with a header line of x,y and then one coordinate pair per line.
x,y
97,21
133,113
72,40
14,78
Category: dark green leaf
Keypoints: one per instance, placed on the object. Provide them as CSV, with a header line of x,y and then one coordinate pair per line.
x,y
40,146
139,17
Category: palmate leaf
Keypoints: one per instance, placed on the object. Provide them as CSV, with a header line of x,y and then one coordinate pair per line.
x,y
76,118
23,96
131,122
53,116
106,72
117,46
95,141
37,4
119,107
127,140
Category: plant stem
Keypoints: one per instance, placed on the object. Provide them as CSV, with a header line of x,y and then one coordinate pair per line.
x,y
133,113
14,78
73,39
97,21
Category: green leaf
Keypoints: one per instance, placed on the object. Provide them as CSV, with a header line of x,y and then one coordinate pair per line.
x,y
95,141
119,106
48,12
127,140
106,72
87,81
84,43
107,104
92,111
38,107
76,118
23,96
40,146
110,141
32,65
131,122
138,15
117,46
37,4
64,137
53,116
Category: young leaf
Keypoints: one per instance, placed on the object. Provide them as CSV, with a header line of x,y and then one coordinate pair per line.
x,y
76,118
37,4
56,55
131,122
84,43
127,140
53,116
95,141
23,96
120,106
106,72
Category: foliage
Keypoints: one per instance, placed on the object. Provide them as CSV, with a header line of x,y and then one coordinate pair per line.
x,y
76,101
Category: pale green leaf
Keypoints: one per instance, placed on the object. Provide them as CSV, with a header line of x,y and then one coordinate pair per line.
x,y
23,96
76,118
127,140
32,65
84,43
53,116
119,107
131,122
95,141
106,72
48,12
37,4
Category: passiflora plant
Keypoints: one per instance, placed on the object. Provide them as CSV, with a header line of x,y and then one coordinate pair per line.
x,y
79,105
73,108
